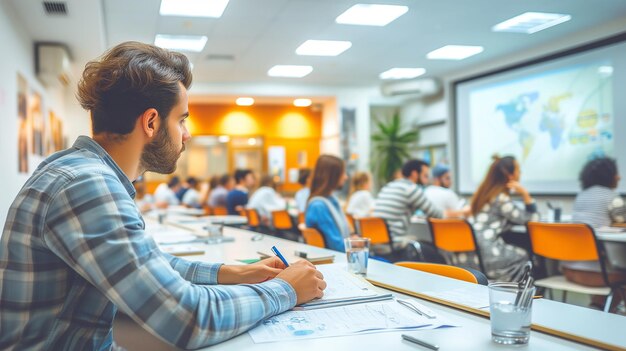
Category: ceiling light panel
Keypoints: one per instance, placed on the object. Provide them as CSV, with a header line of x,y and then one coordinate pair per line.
x,y
193,8
323,47
193,43
454,52
371,14
402,73
531,22
290,71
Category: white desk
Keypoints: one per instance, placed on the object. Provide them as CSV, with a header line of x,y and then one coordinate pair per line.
x,y
474,333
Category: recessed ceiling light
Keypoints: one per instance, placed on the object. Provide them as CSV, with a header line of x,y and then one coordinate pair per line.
x,y
531,22
291,71
193,8
223,138
454,52
323,47
245,101
402,73
193,43
302,102
251,141
371,14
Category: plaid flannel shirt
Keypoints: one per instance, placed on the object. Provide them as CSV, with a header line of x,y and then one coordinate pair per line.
x,y
74,250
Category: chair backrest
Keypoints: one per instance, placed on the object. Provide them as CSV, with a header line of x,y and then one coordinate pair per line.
x,y
301,218
563,241
208,210
281,220
446,271
375,229
220,211
313,237
454,235
254,220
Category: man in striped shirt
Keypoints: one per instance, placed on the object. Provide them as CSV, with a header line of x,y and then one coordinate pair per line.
x,y
398,200
74,250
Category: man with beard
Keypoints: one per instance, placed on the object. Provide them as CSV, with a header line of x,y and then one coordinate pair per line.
x,y
74,249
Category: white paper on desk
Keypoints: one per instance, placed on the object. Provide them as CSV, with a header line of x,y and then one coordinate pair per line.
x,y
607,229
342,284
462,297
375,317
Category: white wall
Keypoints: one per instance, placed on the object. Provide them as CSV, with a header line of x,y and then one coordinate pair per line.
x,y
18,57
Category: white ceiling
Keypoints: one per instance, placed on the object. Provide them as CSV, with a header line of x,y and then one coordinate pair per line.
x,y
262,33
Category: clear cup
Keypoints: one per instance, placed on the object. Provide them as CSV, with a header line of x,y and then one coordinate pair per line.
x,y
511,310
357,252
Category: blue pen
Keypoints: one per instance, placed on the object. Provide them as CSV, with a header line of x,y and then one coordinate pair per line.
x,y
277,253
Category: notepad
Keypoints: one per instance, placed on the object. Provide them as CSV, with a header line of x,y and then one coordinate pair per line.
x,y
183,250
343,288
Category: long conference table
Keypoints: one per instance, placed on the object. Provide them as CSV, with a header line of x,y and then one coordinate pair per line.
x,y
555,325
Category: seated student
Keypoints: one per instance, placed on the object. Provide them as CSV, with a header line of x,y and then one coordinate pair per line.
x,y
495,212
323,211
217,197
237,199
302,195
439,192
74,248
265,199
400,198
165,193
598,205
192,195
361,201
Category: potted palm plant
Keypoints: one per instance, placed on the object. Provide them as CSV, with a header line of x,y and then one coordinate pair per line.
x,y
391,147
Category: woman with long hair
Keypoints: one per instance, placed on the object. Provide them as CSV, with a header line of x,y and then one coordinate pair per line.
x,y
495,212
323,211
360,201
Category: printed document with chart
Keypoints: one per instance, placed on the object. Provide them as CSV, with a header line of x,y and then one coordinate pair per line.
x,y
377,315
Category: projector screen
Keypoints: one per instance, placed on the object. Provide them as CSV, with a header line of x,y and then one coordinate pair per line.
x,y
552,114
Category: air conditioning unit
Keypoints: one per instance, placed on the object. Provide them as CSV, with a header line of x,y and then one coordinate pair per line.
x,y
416,87
52,64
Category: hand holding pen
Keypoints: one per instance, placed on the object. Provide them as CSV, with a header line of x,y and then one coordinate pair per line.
x,y
307,281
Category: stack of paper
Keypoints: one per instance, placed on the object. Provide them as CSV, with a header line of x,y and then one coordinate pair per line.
x,y
350,305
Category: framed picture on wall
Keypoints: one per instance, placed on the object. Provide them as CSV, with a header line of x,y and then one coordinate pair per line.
x,y
22,124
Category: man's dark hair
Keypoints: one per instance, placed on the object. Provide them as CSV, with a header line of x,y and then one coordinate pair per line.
x,y
413,165
225,179
241,174
303,175
192,181
129,79
174,181
600,171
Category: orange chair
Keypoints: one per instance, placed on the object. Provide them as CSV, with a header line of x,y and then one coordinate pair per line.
x,y
569,242
254,220
281,220
220,211
313,237
376,230
208,210
454,272
455,235
301,219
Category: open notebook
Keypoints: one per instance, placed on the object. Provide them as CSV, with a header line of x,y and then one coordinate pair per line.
x,y
343,288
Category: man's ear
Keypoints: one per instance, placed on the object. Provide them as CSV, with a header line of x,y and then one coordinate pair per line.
x,y
149,122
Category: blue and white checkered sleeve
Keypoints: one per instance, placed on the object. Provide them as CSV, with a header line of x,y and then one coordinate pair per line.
x,y
93,228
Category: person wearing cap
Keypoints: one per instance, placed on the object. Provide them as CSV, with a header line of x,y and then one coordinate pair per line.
x,y
439,192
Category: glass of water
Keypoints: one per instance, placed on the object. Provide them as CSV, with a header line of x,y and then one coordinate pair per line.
x,y
357,251
510,309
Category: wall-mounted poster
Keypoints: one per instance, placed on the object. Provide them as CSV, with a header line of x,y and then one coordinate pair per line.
x,y
276,161
55,134
36,117
22,125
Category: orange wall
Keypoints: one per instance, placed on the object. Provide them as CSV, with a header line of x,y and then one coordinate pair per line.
x,y
295,128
